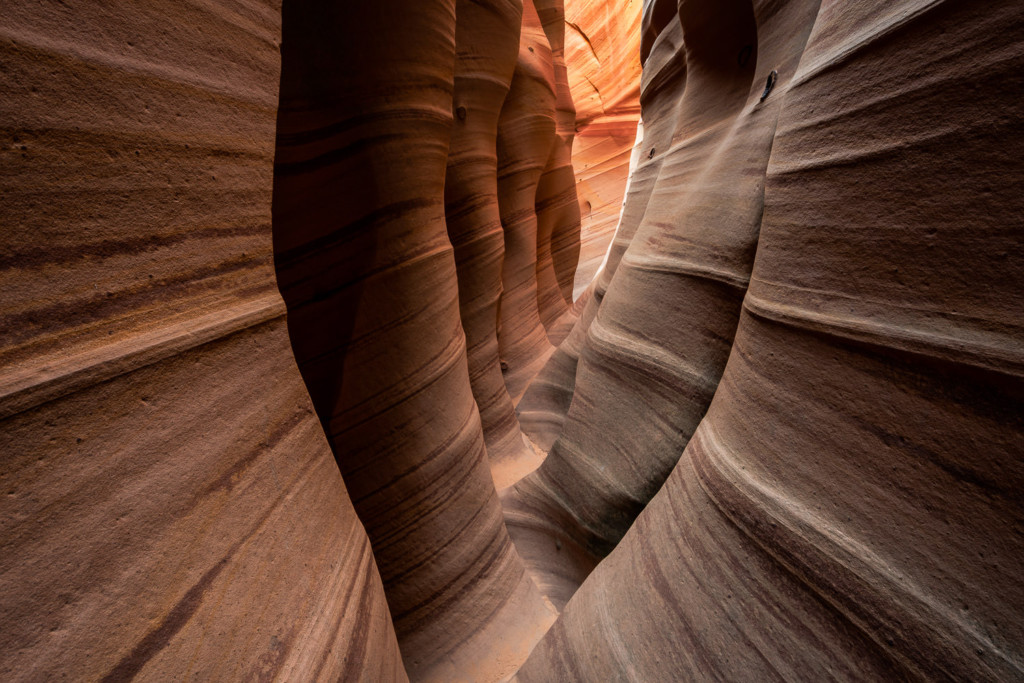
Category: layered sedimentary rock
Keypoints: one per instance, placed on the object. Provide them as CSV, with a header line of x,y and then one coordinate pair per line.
x,y
558,210
602,41
787,413
368,273
850,505
601,44
171,509
526,136
657,346
487,47
141,309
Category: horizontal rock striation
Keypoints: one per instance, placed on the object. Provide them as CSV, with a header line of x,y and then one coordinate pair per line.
x,y
487,47
558,210
171,509
601,45
149,399
656,347
849,507
526,135
284,287
365,265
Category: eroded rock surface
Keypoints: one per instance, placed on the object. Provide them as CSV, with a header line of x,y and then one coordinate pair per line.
x,y
171,509
849,507
656,348
526,136
784,420
602,41
365,265
487,47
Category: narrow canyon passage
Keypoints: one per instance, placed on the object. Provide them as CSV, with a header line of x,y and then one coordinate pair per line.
x,y
488,340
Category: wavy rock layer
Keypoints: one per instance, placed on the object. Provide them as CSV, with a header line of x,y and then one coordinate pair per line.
x,y
558,211
602,42
654,352
487,47
850,505
601,45
171,509
138,275
544,406
785,423
367,270
526,136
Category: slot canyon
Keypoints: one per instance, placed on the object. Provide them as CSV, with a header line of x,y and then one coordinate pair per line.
x,y
489,340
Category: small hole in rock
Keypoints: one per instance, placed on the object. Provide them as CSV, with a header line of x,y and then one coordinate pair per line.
x,y
769,84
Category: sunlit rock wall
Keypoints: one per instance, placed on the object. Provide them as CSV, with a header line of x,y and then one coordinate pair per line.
x,y
782,425
849,507
602,44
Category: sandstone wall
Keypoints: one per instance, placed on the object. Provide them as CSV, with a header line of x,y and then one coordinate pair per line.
x,y
781,429
164,456
602,42
487,48
368,272
848,507
171,509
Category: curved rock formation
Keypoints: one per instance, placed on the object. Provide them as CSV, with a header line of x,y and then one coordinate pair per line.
x,y
366,268
658,344
602,41
171,509
608,144
849,507
558,210
786,422
487,46
544,406
526,135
